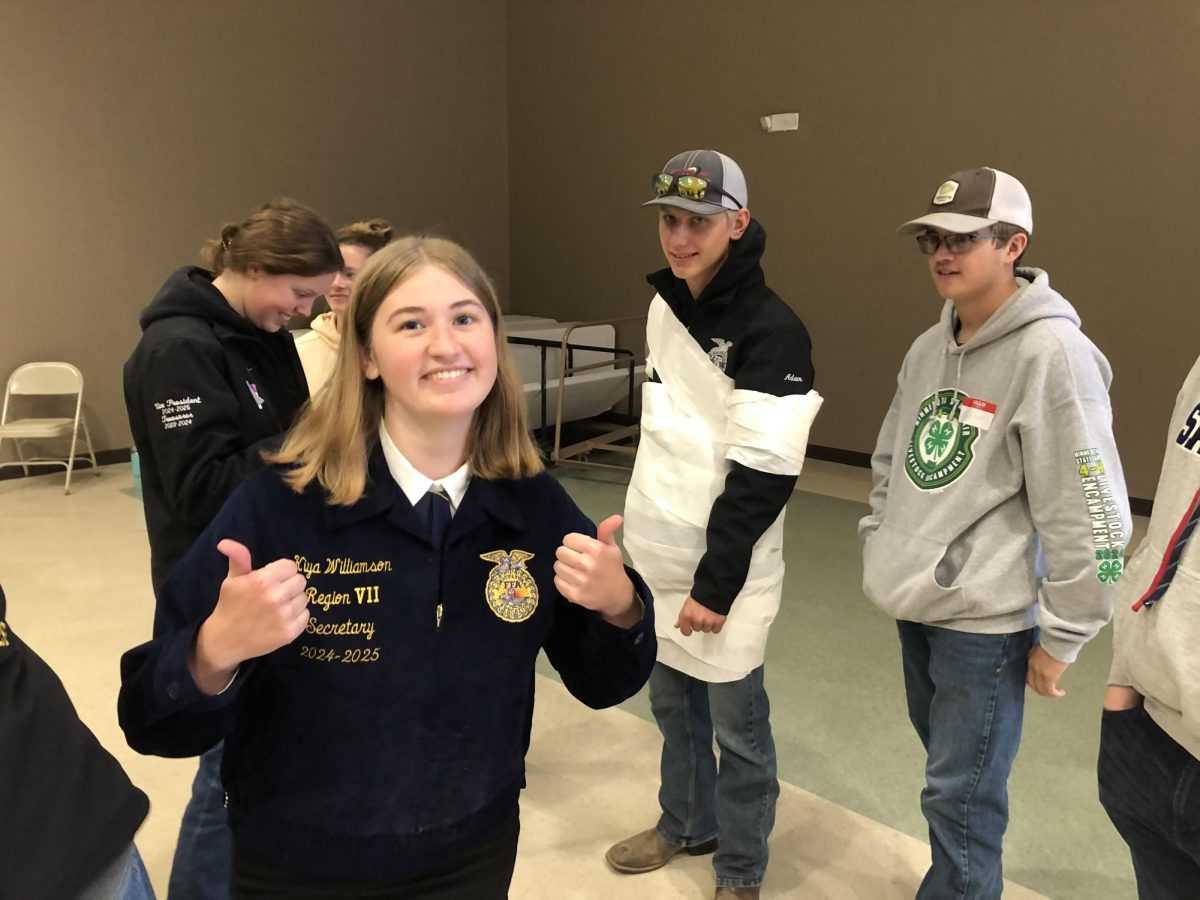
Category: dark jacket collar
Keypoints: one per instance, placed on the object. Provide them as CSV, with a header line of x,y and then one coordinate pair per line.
x,y
382,497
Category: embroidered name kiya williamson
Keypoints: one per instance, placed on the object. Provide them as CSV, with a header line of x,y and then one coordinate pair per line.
x,y
340,565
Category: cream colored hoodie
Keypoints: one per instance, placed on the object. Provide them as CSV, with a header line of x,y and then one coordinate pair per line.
x,y
318,351
1156,650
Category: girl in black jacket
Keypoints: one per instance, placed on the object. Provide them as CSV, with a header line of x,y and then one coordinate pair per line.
x,y
214,381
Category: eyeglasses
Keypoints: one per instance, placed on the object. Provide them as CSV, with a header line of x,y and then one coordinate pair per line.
x,y
689,187
955,243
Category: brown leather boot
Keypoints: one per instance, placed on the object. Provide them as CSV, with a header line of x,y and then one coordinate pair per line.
x,y
648,851
742,893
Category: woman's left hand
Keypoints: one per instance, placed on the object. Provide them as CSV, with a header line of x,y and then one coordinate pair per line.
x,y
590,572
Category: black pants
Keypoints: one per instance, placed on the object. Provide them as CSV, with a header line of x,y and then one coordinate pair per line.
x,y
483,874
1150,788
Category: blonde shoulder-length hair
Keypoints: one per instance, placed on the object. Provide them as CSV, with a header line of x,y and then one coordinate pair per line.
x,y
333,438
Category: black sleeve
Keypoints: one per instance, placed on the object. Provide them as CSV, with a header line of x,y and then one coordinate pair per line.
x,y
601,664
745,510
778,362
197,446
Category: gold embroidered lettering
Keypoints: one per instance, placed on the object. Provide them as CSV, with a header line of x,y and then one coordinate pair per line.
x,y
340,629
307,569
344,565
326,600
367,594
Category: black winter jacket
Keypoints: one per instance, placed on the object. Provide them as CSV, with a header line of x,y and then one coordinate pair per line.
x,y
759,342
206,392
67,809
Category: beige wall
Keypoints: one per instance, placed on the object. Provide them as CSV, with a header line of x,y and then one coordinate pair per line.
x,y
130,131
1090,102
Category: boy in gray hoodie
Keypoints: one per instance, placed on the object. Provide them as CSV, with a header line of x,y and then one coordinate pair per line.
x,y
998,514
1149,767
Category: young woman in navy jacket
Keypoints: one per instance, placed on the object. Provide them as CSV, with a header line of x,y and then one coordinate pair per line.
x,y
360,621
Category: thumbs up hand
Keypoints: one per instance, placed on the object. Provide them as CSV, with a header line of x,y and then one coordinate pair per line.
x,y
258,611
590,572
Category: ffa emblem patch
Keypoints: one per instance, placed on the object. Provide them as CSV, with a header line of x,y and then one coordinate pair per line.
x,y
720,353
511,592
940,449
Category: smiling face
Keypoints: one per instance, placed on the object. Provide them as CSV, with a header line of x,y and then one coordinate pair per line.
x,y
695,246
978,273
354,257
434,347
269,301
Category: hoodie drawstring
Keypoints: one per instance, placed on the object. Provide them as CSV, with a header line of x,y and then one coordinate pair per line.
x,y
953,411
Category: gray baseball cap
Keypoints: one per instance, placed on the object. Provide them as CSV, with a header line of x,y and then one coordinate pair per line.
x,y
721,173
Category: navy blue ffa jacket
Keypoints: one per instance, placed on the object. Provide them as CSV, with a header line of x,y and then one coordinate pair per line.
x,y
206,391
389,738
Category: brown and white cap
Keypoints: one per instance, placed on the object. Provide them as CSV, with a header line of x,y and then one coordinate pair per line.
x,y
974,199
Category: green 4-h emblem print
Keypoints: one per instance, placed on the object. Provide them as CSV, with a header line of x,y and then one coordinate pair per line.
x,y
1111,563
940,449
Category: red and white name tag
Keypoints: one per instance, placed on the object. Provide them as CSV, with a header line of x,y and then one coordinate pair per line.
x,y
977,413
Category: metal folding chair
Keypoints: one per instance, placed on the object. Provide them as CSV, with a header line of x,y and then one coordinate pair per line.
x,y
46,379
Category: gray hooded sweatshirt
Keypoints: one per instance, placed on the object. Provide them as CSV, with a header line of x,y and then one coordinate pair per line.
x,y
1157,648
998,500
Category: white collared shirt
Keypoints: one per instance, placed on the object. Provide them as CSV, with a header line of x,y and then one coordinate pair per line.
x,y
413,483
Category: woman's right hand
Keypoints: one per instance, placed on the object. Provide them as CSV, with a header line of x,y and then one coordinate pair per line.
x,y
258,611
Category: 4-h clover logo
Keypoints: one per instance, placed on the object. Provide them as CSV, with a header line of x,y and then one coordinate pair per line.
x,y
940,448
1109,571
938,438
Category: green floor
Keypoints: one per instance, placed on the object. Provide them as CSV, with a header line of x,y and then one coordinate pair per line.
x,y
833,672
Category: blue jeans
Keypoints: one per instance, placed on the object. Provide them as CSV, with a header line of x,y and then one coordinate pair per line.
x,y
1150,788
201,868
966,699
701,801
125,879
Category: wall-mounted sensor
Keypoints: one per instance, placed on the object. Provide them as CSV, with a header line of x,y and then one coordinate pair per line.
x,y
780,122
